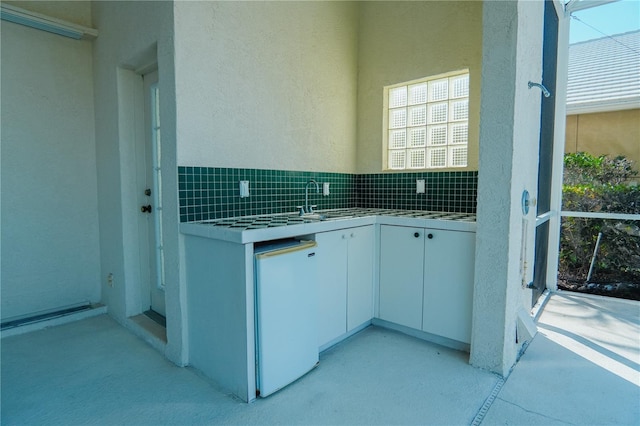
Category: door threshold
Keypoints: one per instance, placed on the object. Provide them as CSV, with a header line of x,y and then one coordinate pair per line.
x,y
156,317
149,330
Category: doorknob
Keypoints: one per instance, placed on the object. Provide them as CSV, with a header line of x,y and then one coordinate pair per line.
x,y
146,209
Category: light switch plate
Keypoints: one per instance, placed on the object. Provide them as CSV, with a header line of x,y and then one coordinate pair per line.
x,y
420,189
244,188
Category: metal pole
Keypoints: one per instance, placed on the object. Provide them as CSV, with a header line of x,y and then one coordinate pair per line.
x,y
593,258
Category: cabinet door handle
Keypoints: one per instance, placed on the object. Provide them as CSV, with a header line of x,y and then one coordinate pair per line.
x,y
430,236
417,234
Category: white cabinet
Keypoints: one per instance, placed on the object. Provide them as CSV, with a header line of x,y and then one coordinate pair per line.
x,y
448,283
360,244
426,279
332,285
345,281
401,275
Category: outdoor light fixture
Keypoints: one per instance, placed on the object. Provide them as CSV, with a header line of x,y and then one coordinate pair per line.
x,y
46,23
545,91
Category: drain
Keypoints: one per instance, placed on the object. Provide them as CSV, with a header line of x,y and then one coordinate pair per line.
x,y
477,420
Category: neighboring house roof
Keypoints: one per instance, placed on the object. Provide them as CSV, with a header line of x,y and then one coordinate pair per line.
x,y
604,74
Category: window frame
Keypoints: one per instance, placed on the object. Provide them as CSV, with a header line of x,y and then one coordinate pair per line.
x,y
449,126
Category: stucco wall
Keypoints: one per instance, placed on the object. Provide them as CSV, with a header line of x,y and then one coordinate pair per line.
x,y
605,133
509,136
50,249
266,84
403,41
134,35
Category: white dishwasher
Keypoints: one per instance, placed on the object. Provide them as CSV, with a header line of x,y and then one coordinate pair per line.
x,y
286,328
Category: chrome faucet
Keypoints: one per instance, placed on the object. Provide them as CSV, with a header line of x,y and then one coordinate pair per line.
x,y
307,208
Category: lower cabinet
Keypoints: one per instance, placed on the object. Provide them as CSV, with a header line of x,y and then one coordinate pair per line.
x,y
426,279
345,281
401,275
449,260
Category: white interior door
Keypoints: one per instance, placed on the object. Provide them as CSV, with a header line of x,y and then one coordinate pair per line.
x,y
151,207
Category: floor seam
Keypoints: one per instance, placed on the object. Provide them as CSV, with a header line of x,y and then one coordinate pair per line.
x,y
477,420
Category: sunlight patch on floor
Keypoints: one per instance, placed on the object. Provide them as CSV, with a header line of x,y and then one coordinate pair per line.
x,y
594,353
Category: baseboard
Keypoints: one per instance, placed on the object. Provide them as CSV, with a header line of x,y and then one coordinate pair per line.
x,y
94,310
423,335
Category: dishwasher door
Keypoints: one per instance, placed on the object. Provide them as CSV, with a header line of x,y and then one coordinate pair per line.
x,y
286,328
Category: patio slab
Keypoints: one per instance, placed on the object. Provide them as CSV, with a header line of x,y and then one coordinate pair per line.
x,y
96,372
583,366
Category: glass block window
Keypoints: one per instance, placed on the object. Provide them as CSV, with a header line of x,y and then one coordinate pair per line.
x,y
417,159
427,123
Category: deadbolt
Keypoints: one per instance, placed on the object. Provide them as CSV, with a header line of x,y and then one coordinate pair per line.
x,y
147,192
146,209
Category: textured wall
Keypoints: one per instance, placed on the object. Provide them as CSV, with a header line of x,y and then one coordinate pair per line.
x,y
509,135
403,41
50,250
267,85
132,36
610,133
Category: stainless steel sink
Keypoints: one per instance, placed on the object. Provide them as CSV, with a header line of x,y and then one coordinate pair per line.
x,y
313,216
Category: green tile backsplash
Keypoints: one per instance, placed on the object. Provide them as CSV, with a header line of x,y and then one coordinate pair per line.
x,y
212,193
445,191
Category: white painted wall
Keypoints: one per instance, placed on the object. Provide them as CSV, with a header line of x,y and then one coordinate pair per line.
x,y
509,135
260,85
50,249
132,36
403,41
267,84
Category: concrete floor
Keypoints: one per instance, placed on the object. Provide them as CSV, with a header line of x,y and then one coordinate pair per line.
x,y
583,367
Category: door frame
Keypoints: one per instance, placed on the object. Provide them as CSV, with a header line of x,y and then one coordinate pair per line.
x,y
149,173
557,169
131,131
547,144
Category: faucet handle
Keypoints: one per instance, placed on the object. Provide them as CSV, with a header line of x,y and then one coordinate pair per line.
x,y
301,208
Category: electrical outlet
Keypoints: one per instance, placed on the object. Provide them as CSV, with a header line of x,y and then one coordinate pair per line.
x,y
420,189
110,279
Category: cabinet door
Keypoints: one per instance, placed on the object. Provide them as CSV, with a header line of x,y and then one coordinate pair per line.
x,y
448,286
331,258
401,279
360,276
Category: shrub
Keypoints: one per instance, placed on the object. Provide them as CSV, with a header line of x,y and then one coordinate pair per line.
x,y
597,184
583,168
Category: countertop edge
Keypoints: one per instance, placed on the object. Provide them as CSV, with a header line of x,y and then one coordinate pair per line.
x,y
266,234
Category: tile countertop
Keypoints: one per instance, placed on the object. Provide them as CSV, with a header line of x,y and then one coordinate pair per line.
x,y
251,229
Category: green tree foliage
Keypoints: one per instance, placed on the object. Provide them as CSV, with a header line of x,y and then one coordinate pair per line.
x,y
600,184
